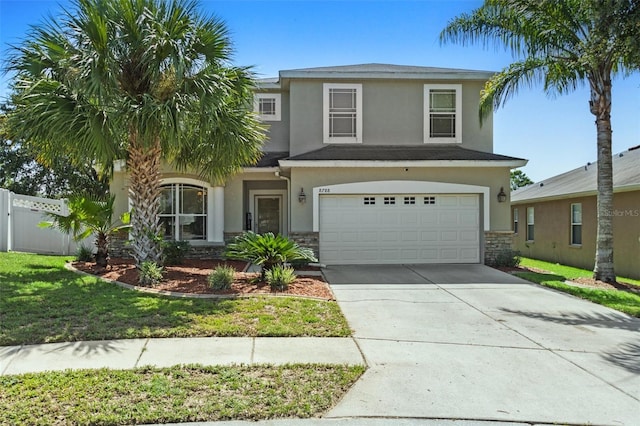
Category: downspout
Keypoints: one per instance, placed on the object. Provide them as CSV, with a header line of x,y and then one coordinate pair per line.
x,y
288,200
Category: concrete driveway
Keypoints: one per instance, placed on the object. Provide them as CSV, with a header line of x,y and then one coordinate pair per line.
x,y
470,342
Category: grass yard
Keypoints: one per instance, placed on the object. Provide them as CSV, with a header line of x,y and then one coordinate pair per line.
x,y
42,302
623,301
569,272
176,394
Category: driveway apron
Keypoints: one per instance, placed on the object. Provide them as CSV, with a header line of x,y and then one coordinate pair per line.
x,y
470,342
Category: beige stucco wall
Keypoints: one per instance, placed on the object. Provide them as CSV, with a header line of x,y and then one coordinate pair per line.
x,y
278,131
552,234
308,178
393,114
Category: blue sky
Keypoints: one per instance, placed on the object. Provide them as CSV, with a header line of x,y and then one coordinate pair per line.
x,y
555,134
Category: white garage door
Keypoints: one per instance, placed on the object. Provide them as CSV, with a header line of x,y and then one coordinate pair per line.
x,y
399,228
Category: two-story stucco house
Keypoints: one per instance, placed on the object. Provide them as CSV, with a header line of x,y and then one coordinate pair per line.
x,y
365,164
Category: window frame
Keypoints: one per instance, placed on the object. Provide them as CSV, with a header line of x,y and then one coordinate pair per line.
x,y
214,207
516,220
277,115
531,213
326,111
427,114
575,224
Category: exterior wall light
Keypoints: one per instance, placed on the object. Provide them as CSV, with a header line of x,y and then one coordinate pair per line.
x,y
302,197
502,197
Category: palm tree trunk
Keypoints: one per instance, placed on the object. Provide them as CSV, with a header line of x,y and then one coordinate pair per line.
x,y
601,107
144,191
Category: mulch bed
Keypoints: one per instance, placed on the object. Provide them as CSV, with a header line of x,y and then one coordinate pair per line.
x,y
191,277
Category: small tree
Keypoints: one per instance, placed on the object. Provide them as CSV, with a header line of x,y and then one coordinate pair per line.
x,y
267,250
90,216
519,179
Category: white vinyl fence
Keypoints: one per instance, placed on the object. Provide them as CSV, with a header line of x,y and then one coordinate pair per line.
x,y
19,230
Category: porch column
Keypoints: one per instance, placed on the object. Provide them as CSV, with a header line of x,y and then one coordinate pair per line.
x,y
216,218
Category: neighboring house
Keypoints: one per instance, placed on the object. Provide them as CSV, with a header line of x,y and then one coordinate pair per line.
x,y
555,220
365,164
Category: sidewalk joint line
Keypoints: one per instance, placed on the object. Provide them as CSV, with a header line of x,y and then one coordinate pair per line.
x,y
4,370
436,342
144,348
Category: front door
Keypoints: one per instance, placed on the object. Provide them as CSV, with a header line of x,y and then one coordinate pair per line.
x,y
268,214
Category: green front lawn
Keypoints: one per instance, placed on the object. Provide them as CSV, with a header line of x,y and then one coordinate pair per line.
x,y
176,394
43,302
623,301
569,272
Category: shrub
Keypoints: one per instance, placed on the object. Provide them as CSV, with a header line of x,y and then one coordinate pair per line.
x,y
279,277
267,250
507,259
222,277
150,273
175,251
84,253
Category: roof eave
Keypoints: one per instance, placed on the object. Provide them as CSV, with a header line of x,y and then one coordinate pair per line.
x,y
402,163
450,75
590,193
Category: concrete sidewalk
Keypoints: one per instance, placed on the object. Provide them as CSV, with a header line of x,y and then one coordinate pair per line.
x,y
125,354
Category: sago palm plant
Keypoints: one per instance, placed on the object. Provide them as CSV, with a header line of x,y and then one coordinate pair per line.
x,y
267,250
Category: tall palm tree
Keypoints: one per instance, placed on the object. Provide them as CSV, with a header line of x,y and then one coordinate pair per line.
x,y
562,44
142,80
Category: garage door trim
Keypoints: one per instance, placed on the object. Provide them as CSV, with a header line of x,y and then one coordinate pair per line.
x,y
398,187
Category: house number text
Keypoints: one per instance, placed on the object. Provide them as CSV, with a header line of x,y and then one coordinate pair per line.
x,y
324,190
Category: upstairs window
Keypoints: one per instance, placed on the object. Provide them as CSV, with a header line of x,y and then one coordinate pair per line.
x,y
342,108
268,106
443,113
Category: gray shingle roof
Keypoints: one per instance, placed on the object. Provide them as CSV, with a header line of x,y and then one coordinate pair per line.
x,y
270,159
386,71
397,153
626,173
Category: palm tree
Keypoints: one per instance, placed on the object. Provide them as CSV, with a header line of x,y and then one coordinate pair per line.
x,y
562,44
143,80
89,216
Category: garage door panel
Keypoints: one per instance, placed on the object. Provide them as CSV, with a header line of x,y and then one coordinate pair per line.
x,y
409,236
390,236
449,236
429,236
469,236
468,201
401,228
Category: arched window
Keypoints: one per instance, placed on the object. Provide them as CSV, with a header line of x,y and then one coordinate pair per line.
x,y
183,212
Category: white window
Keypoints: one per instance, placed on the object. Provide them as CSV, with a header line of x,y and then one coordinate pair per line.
x,y
369,201
429,200
515,221
183,212
267,106
389,200
576,224
342,113
530,223
443,113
